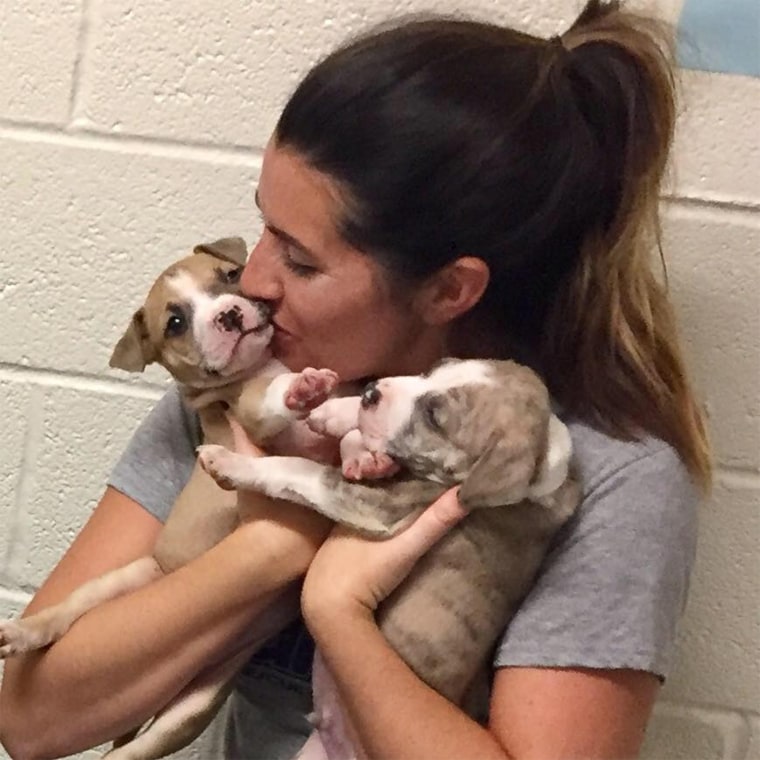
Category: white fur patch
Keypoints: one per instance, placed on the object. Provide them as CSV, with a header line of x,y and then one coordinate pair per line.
x,y
556,463
188,290
273,403
406,390
457,374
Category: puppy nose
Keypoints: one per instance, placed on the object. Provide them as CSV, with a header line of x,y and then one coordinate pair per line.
x,y
230,320
371,395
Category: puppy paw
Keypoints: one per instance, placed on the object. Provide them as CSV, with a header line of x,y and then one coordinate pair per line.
x,y
221,464
369,465
310,389
17,637
324,421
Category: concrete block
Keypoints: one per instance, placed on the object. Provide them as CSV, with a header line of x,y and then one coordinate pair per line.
x,y
690,733
83,434
222,76
719,644
753,752
85,232
714,271
192,73
14,411
717,153
39,41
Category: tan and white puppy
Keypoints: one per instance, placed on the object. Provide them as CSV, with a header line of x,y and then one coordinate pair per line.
x,y
486,425
215,343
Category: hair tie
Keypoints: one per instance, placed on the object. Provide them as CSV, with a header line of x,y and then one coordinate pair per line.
x,y
558,42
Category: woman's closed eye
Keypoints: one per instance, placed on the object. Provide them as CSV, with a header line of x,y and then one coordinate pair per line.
x,y
295,261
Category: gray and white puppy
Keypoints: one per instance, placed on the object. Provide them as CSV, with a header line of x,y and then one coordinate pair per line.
x,y
486,425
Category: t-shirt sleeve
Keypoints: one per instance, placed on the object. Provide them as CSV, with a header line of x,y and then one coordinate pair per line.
x,y
614,585
159,458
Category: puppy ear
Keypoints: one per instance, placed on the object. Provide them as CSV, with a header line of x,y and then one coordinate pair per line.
x,y
500,476
134,351
506,471
232,249
555,466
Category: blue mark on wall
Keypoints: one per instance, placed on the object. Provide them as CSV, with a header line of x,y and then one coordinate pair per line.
x,y
720,35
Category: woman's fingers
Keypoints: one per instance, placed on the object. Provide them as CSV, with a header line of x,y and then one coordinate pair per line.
x,y
359,573
243,444
437,520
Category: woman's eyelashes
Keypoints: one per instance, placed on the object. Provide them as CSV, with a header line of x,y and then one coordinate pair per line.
x,y
291,255
293,264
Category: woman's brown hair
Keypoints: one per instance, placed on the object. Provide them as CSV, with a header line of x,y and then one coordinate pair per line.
x,y
545,159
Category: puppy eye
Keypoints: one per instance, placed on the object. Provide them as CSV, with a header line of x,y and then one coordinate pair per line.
x,y
432,412
232,276
175,326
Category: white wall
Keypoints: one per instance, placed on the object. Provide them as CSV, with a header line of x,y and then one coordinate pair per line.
x,y
131,129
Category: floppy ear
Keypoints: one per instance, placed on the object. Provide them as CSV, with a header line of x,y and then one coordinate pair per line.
x,y
506,473
500,476
555,466
232,249
134,351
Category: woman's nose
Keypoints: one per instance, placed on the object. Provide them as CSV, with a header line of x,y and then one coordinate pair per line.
x,y
260,278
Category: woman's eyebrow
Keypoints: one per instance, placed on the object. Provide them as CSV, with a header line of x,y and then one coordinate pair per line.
x,y
286,237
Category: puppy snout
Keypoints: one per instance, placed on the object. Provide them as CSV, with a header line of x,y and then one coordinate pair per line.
x,y
230,320
371,395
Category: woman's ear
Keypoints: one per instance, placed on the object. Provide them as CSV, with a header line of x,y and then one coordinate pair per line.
x,y
453,290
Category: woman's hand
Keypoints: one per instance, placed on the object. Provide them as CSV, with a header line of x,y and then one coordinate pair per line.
x,y
351,574
243,444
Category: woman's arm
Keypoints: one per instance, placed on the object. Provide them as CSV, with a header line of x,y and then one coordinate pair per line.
x,y
535,712
123,660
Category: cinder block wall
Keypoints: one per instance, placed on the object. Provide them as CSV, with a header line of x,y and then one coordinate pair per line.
x,y
131,129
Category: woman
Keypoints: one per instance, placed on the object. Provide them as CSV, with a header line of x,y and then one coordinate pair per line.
x,y
433,188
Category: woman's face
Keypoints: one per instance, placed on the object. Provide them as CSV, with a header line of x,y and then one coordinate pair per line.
x,y
332,306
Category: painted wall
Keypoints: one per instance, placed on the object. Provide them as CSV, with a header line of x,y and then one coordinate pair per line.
x,y
130,129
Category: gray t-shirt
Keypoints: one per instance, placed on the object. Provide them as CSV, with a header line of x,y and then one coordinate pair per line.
x,y
609,594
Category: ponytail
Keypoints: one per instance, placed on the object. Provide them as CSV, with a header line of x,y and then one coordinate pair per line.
x,y
611,345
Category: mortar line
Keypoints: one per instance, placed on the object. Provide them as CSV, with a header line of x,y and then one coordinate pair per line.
x,y
27,467
738,742
692,201
722,710
235,155
22,598
79,381
83,38
740,478
161,147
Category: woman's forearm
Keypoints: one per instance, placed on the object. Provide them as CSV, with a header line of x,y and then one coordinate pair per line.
x,y
394,713
125,659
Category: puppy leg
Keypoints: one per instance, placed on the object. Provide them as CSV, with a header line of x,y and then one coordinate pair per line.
x,y
48,625
275,476
308,389
334,734
185,717
313,749
336,417
268,406
375,510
